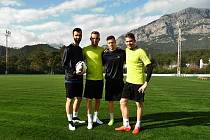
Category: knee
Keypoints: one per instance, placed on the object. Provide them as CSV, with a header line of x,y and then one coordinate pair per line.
x,y
79,99
88,100
139,104
68,100
123,102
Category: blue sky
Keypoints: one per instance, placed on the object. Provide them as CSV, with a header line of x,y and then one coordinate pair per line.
x,y
52,21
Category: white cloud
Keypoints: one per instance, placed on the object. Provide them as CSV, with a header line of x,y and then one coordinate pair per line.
x,y
109,25
20,38
28,29
10,3
49,26
11,15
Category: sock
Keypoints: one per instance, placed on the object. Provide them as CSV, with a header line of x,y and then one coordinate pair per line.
x,y
138,124
69,117
75,114
111,116
90,120
126,122
95,115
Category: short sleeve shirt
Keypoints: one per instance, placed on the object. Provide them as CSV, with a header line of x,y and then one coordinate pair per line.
x,y
93,58
136,60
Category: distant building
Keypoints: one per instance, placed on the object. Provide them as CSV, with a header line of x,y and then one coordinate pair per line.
x,y
201,63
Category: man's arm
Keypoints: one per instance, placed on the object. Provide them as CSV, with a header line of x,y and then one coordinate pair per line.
x,y
149,69
66,59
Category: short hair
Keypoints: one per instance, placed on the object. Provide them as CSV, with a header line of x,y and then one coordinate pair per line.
x,y
77,30
95,32
130,35
110,37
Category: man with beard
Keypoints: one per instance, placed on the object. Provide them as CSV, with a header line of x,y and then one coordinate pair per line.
x,y
73,81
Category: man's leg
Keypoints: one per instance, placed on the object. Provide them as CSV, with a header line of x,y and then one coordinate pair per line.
x,y
69,111
89,113
139,112
125,114
97,106
111,112
76,105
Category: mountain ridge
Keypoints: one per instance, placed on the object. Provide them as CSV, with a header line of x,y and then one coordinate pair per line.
x,y
161,35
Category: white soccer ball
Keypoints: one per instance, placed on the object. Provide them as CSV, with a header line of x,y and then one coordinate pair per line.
x,y
81,68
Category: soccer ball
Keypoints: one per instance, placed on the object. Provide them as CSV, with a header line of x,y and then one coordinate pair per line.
x,y
81,68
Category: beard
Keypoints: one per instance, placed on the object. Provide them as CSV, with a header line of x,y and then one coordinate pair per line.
x,y
77,40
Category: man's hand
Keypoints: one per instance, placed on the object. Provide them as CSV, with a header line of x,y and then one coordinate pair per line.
x,y
142,88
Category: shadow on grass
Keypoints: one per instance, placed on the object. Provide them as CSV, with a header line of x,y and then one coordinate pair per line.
x,y
170,119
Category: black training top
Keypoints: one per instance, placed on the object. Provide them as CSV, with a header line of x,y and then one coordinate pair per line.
x,y
113,62
72,54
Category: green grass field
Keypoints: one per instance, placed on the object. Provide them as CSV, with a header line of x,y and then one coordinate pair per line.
x,y
32,107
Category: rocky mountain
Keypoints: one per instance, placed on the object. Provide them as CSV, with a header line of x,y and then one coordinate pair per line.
x,y
160,36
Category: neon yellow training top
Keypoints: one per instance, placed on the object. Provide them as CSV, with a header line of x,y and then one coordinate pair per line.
x,y
93,57
136,60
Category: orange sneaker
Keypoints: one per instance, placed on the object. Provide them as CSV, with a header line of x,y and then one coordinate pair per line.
x,y
123,128
136,131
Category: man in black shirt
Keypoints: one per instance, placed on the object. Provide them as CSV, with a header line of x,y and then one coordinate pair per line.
x,y
73,82
113,60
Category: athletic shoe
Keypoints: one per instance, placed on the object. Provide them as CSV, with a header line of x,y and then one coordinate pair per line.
x,y
96,120
90,125
111,122
77,120
123,128
71,126
136,131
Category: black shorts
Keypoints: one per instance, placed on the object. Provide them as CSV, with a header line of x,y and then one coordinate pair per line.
x,y
74,89
130,91
113,89
93,89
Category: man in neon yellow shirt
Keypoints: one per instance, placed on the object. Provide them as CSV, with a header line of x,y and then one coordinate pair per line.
x,y
136,61
94,77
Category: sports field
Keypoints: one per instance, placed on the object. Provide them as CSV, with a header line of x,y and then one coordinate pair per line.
x,y
32,107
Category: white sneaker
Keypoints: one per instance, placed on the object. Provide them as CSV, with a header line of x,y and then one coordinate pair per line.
x,y
96,120
77,120
90,125
71,126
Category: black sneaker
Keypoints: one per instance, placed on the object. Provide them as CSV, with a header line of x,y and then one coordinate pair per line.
x,y
77,120
71,126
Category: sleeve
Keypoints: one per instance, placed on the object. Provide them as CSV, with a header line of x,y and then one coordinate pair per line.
x,y
149,69
83,54
103,60
144,58
124,56
66,58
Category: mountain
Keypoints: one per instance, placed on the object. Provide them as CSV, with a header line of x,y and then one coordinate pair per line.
x,y
28,50
160,36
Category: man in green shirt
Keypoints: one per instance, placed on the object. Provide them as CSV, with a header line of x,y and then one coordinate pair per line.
x,y
136,61
94,77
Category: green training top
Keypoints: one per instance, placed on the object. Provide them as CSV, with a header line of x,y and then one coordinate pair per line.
x,y
93,57
136,60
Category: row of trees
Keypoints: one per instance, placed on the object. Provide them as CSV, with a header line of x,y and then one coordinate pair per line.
x,y
37,63
190,61
49,62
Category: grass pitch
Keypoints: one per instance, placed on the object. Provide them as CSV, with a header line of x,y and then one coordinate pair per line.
x,y
33,107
